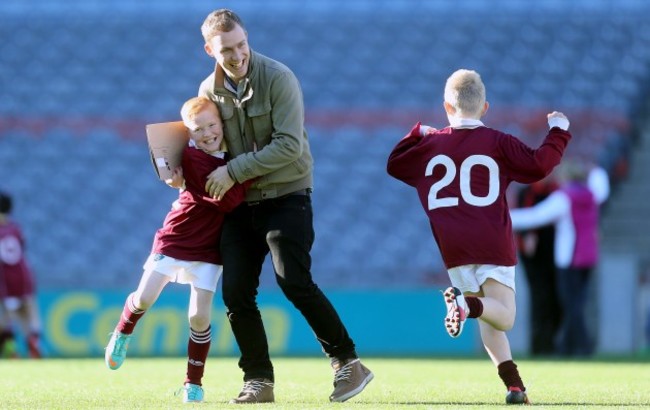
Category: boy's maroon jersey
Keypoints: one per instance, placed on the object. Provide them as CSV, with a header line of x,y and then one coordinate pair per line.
x,y
15,275
461,176
192,228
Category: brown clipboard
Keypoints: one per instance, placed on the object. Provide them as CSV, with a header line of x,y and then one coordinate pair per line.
x,y
166,143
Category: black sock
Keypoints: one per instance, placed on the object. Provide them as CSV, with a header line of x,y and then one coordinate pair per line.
x,y
510,375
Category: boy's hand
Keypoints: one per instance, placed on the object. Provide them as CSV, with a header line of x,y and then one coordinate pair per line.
x,y
558,119
177,180
556,114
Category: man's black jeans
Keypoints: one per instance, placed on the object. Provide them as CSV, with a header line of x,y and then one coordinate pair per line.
x,y
283,226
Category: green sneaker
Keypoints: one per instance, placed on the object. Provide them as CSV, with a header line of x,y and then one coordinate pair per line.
x,y
116,350
192,393
10,351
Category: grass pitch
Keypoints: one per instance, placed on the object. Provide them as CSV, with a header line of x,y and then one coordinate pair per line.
x,y
305,383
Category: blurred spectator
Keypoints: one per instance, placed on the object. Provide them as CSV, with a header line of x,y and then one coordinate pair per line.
x,y
17,289
536,248
574,210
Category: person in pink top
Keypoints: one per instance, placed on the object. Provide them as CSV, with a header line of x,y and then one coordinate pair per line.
x,y
461,174
186,248
573,209
17,287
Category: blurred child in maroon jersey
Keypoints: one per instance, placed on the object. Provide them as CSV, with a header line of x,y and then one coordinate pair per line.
x,y
17,289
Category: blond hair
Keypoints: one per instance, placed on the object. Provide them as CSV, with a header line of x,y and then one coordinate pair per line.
x,y
465,92
220,21
195,105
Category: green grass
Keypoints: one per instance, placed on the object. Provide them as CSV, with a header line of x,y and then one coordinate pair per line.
x,y
305,383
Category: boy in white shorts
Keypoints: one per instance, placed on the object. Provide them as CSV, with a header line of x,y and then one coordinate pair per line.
x,y
186,248
461,174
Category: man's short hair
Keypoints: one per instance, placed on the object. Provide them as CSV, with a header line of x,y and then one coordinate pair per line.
x,y
220,21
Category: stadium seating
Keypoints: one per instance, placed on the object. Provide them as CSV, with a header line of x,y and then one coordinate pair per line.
x,y
78,89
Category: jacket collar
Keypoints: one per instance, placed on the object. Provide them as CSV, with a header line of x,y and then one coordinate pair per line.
x,y
244,89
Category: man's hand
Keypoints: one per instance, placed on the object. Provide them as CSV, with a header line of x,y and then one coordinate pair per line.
x,y
219,182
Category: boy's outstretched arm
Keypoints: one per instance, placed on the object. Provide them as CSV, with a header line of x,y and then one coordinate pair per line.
x,y
528,165
400,165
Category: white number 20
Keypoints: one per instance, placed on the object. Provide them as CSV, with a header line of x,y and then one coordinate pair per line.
x,y
465,181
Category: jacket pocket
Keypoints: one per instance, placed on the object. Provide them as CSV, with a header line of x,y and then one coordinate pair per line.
x,y
260,117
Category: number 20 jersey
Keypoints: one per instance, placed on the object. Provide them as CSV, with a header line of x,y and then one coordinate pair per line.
x,y
461,176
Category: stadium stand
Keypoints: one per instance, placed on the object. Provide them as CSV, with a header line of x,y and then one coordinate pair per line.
x,y
79,88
